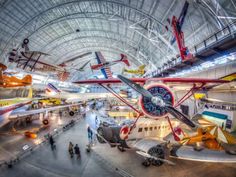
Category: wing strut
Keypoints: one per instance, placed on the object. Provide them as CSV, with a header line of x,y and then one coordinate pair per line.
x,y
188,94
109,89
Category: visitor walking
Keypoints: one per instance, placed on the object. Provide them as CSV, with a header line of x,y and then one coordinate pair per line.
x,y
70,149
52,142
77,151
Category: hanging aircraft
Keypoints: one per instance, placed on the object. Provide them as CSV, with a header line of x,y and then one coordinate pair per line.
x,y
104,66
176,24
7,81
139,71
53,92
18,109
70,62
31,61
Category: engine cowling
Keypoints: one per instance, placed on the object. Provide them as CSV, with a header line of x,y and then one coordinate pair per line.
x,y
149,108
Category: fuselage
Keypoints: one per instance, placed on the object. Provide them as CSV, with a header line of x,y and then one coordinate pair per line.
x,y
104,65
135,71
76,97
144,129
7,106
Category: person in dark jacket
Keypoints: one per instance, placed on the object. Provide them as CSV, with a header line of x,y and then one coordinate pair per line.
x,y
51,141
77,151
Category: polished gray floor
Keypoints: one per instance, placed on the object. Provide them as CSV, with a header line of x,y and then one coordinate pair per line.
x,y
104,161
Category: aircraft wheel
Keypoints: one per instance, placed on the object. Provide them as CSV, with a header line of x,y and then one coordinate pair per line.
x,y
26,41
121,148
198,148
45,122
28,120
157,151
71,113
233,152
146,163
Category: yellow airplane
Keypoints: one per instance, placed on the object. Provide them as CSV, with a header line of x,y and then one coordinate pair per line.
x,y
50,101
12,81
17,109
140,70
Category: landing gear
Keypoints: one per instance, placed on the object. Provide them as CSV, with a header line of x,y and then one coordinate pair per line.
x,y
45,122
121,148
158,152
146,163
71,113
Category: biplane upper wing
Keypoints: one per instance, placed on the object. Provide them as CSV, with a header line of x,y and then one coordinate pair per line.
x,y
105,71
167,80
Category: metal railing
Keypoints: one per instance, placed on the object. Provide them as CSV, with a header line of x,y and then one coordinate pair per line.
x,y
227,31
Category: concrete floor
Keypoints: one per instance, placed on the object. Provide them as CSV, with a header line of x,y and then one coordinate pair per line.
x,y
104,161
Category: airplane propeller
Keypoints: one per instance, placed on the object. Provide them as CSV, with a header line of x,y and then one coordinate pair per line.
x,y
158,101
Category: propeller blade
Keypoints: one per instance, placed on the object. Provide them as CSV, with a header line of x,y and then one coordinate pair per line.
x,y
135,86
180,116
144,154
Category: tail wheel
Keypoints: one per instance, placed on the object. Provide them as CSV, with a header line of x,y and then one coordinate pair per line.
x,y
71,113
157,151
45,122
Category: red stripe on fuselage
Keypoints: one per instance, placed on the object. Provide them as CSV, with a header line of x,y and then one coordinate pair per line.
x,y
13,107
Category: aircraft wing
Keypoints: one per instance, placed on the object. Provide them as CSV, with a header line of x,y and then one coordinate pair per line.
x,y
37,111
187,152
105,71
205,155
171,82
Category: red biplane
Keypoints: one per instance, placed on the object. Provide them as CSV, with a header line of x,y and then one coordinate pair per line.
x,y
157,98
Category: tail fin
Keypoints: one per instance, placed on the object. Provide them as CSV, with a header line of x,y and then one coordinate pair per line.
x,y
30,93
124,59
230,77
27,80
51,89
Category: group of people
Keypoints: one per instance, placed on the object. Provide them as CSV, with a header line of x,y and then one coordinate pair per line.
x,y
74,150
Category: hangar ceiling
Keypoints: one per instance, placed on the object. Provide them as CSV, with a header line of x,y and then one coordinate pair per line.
x,y
67,28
